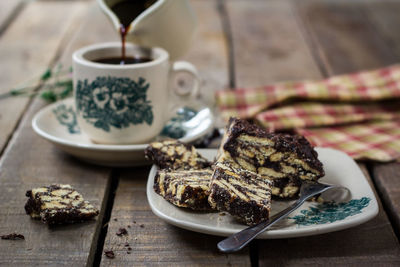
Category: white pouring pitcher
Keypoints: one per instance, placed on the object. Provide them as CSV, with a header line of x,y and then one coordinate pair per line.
x,y
169,24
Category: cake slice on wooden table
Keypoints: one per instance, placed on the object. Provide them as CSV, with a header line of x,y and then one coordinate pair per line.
x,y
58,204
184,188
243,194
175,155
285,159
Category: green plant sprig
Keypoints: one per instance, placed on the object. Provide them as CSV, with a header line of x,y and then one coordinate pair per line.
x,y
52,85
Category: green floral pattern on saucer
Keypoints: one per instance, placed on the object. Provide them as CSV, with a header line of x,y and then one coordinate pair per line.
x,y
331,212
66,116
112,101
173,128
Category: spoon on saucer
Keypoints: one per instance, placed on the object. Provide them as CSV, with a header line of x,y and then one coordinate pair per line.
x,y
239,240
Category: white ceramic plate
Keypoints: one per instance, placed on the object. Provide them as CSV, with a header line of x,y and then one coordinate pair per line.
x,y
310,219
57,123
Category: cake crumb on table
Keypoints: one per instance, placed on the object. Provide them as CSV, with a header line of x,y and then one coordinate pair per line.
x,y
109,254
121,232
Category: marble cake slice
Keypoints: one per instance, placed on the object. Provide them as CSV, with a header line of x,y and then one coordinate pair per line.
x,y
175,155
243,194
184,188
285,159
58,204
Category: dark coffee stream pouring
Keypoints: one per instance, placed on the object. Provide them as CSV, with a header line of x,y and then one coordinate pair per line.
x,y
127,11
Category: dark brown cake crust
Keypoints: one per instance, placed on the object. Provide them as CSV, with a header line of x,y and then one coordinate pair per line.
x,y
283,142
184,156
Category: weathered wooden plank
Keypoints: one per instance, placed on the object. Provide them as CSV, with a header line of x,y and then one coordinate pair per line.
x,y
364,40
344,36
268,45
26,49
153,241
158,243
387,180
385,19
375,240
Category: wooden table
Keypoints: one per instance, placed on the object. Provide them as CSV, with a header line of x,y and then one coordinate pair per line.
x,y
239,43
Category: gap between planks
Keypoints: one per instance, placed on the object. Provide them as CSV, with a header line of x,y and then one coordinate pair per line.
x,y
98,243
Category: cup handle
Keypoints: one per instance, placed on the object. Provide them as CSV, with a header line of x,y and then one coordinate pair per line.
x,y
184,93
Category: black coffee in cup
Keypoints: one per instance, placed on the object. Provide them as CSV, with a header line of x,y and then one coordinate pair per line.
x,y
122,61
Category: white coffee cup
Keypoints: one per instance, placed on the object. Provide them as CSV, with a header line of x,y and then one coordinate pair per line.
x,y
127,104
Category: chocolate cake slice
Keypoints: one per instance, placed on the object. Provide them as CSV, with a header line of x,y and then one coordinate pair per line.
x,y
243,194
175,155
285,159
184,188
58,204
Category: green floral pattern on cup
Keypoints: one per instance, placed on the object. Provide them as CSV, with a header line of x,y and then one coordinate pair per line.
x,y
67,117
111,101
331,212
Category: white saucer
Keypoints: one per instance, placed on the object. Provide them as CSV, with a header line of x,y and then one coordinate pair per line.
x,y
57,124
310,219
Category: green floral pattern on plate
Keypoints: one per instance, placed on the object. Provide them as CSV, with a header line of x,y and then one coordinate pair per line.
x,y
331,212
66,116
112,101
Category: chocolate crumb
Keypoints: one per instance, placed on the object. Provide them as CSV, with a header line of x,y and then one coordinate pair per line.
x,y
129,248
129,226
134,221
109,254
115,220
142,226
128,252
13,236
121,231
126,244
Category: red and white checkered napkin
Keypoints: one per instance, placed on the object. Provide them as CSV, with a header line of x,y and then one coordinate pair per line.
x,y
357,113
